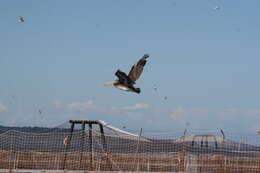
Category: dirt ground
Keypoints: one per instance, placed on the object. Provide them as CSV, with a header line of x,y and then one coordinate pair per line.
x,y
147,162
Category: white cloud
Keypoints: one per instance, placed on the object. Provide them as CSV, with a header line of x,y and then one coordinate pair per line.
x,y
77,105
82,105
137,106
2,107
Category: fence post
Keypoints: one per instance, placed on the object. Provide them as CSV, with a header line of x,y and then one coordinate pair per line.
x,y
137,150
183,151
13,153
90,145
223,165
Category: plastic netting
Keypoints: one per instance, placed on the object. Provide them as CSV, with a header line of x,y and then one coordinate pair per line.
x,y
209,152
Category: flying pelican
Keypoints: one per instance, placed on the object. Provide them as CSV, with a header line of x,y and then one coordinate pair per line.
x,y
126,82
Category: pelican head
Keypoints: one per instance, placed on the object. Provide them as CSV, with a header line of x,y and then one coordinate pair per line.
x,y
110,83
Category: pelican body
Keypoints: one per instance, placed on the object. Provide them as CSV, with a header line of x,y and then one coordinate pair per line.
x,y
126,82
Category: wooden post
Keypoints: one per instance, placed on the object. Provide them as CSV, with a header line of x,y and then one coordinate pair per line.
x,y
90,145
137,150
223,165
183,151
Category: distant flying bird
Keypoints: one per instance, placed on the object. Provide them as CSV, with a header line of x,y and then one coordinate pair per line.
x,y
21,19
155,88
216,8
126,82
40,111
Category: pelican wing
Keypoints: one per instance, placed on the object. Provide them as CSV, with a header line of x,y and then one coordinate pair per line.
x,y
137,69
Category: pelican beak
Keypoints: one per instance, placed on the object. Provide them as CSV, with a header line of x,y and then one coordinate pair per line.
x,y
109,83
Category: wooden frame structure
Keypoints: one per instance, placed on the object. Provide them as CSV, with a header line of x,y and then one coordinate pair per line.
x,y
83,124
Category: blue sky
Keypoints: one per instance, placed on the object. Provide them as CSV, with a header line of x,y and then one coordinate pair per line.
x,y
205,60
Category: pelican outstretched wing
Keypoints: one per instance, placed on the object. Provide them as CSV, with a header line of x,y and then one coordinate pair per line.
x,y
137,69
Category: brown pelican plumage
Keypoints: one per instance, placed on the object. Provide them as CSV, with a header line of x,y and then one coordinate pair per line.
x,y
126,82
